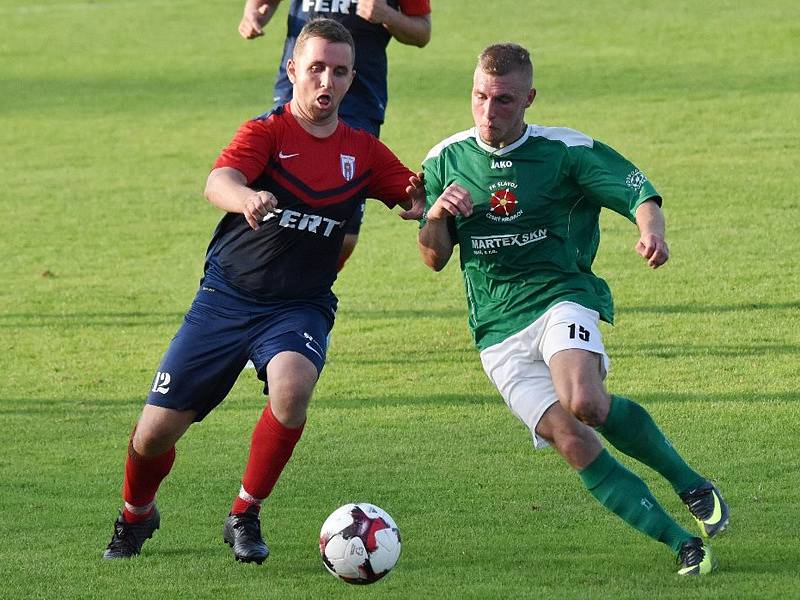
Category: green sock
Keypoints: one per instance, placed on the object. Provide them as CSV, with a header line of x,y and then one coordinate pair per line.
x,y
631,429
627,496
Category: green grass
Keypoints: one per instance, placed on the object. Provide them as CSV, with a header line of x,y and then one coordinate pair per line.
x,y
111,113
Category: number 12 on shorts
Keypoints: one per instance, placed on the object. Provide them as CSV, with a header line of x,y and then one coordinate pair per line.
x,y
581,332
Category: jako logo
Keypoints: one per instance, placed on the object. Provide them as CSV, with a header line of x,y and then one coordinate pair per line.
x,y
501,164
161,382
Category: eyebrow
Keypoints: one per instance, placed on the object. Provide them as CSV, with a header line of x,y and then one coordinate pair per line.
x,y
322,62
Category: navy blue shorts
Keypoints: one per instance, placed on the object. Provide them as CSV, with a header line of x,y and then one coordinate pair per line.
x,y
353,225
221,332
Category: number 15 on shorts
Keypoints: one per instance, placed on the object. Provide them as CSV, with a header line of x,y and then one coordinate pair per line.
x,y
578,331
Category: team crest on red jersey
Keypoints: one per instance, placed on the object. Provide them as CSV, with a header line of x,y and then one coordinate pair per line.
x,y
348,166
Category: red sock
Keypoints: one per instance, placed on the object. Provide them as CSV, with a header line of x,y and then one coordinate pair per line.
x,y
143,475
270,450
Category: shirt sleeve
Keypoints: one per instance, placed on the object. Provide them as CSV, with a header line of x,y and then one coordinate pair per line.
x,y
433,185
610,180
249,150
389,178
415,8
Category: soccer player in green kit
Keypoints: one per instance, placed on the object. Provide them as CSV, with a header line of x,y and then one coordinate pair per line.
x,y
523,202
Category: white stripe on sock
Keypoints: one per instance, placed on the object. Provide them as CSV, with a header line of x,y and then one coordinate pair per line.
x,y
248,498
139,510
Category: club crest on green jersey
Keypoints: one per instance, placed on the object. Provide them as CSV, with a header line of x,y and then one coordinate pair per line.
x,y
503,204
635,179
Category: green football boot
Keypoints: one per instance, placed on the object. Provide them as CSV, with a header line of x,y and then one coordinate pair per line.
x,y
708,507
695,558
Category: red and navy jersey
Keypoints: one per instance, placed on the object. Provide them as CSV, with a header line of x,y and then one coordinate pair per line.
x,y
368,95
319,184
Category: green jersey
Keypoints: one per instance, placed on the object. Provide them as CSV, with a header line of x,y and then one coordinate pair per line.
x,y
534,232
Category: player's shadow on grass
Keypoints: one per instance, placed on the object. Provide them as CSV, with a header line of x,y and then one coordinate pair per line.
x,y
404,313
758,350
71,407
360,401
648,398
706,308
88,319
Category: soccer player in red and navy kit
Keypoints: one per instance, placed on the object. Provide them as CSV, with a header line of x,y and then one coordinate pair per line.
x,y
373,24
288,181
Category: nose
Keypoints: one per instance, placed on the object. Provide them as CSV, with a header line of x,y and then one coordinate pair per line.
x,y
490,109
326,79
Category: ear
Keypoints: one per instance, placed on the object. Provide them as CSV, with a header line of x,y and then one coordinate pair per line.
x,y
531,96
290,70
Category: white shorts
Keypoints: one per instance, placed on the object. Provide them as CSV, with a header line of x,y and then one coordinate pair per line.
x,y
518,366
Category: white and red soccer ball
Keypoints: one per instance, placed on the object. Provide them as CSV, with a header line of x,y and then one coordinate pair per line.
x,y
359,543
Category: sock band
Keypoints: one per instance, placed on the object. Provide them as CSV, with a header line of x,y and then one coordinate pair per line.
x,y
143,476
250,499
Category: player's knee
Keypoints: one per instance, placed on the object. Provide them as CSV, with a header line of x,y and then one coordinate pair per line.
x,y
290,410
588,406
577,445
150,441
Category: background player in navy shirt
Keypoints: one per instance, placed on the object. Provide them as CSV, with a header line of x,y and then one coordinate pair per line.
x,y
289,182
373,23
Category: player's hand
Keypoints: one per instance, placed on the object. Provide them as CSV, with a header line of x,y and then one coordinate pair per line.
x,y
257,206
252,22
653,248
374,11
415,205
455,200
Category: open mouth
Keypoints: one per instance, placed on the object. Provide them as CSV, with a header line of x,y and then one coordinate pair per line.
x,y
324,100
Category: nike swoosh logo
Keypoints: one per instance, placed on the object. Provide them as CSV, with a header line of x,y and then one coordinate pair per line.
x,y
282,155
716,515
314,350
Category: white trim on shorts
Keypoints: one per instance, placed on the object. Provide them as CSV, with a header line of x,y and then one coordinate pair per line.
x,y
518,366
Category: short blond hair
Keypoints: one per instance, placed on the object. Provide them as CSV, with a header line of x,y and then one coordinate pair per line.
x,y
502,59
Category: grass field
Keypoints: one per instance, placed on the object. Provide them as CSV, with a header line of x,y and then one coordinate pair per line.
x,y
111,113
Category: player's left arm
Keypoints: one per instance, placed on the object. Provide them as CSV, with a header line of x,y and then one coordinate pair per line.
x,y
393,183
610,180
410,25
652,245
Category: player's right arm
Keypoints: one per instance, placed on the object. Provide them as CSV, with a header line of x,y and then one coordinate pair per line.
x,y
255,16
435,238
226,188
239,164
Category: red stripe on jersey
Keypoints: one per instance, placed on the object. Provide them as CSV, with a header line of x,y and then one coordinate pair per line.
x,y
312,197
415,8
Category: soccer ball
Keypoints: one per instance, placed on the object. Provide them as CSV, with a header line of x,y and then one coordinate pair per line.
x,y
359,543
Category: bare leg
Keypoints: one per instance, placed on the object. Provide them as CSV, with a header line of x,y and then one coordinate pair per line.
x,y
573,440
578,379
292,378
159,428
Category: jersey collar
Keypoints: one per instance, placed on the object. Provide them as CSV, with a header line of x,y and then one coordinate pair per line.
x,y
505,150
